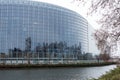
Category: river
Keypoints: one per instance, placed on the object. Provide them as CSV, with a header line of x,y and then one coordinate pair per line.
x,y
55,73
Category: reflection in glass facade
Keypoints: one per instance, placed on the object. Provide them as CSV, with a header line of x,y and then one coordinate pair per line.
x,y
41,29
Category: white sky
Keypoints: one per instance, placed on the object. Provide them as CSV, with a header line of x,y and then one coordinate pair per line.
x,y
74,6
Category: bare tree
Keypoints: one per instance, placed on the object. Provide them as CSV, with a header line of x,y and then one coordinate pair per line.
x,y
104,57
110,29
108,36
101,37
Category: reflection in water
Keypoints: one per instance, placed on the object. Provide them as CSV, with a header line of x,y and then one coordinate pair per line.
x,y
55,74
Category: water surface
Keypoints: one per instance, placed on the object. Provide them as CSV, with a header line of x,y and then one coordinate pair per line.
x,y
55,73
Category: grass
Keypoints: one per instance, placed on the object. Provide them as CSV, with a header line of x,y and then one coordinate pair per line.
x,y
112,75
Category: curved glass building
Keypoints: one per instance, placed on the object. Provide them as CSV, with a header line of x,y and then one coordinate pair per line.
x,y
41,30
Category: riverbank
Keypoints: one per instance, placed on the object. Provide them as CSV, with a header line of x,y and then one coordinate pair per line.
x,y
111,75
28,66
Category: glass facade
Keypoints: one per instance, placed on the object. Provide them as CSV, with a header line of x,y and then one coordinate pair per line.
x,y
41,29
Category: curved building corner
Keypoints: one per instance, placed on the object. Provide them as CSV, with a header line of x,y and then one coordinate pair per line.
x,y
36,29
